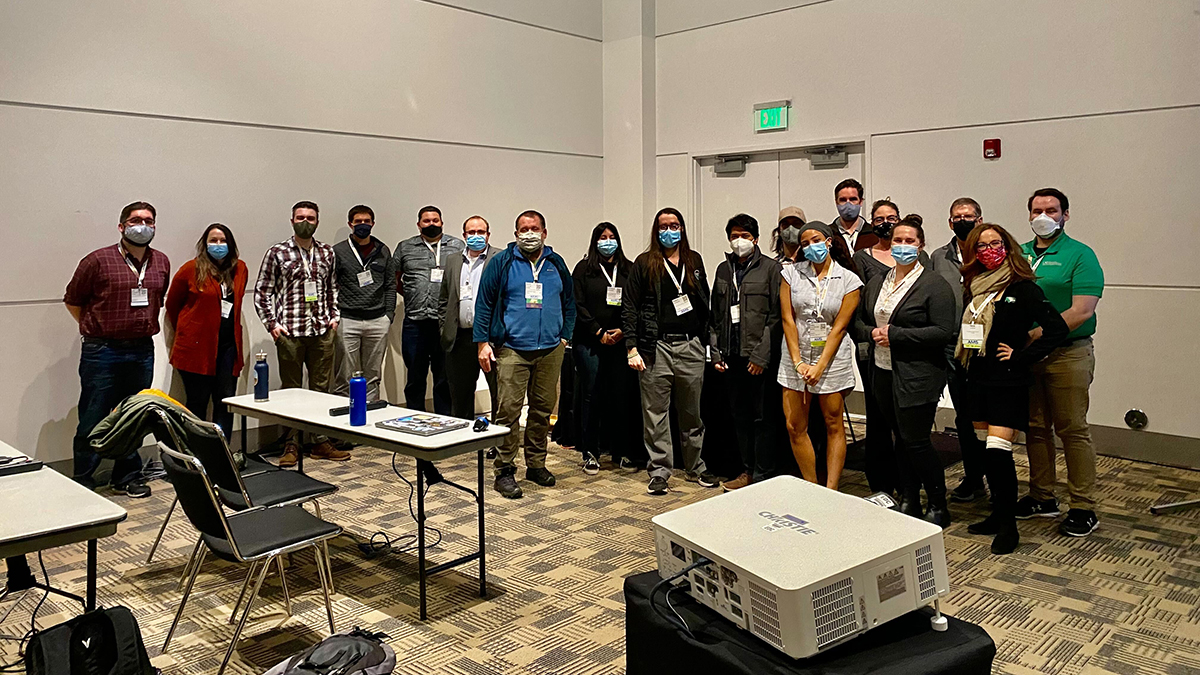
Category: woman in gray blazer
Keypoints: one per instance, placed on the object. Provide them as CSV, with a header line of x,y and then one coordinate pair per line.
x,y
908,318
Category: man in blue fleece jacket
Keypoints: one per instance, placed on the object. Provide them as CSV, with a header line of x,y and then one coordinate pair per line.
x,y
524,315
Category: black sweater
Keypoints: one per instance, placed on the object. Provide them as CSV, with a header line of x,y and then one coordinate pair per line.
x,y
593,313
1022,306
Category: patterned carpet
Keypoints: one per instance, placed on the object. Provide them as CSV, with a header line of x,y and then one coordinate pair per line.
x,y
1125,600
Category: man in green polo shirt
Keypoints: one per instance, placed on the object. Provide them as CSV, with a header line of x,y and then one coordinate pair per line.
x,y
1070,276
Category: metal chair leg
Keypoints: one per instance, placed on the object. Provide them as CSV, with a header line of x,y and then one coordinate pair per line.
x,y
245,615
287,597
183,601
161,530
187,569
325,586
242,595
325,548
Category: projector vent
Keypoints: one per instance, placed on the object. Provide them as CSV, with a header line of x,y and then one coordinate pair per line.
x,y
764,615
926,584
833,611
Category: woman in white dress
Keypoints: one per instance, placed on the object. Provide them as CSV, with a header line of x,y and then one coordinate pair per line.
x,y
819,296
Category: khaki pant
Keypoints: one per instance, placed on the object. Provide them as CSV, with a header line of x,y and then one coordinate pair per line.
x,y
297,353
1058,404
676,378
362,345
533,373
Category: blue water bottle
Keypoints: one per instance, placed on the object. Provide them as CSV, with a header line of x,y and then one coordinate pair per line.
x,y
358,400
262,377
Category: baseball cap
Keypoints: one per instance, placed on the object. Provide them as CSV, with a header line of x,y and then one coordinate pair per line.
x,y
792,212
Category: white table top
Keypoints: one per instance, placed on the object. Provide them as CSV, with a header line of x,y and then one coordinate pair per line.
x,y
45,507
309,410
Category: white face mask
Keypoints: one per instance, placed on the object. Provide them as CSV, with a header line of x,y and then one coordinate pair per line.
x,y
1044,226
529,242
741,247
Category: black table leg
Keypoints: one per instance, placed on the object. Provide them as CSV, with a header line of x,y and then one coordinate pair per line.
x,y
421,538
245,443
482,566
90,605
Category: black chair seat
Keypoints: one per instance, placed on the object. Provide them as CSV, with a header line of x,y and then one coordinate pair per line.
x,y
255,465
261,531
276,487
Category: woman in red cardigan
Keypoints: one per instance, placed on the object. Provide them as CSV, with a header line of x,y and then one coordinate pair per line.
x,y
204,304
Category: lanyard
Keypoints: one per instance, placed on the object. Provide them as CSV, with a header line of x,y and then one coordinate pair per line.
x,y
437,255
224,290
537,270
822,288
612,281
141,275
682,271
354,248
890,281
976,312
307,263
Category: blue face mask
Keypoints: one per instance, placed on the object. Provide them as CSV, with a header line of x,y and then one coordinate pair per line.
x,y
904,254
476,242
607,247
849,210
218,251
816,252
669,238
362,230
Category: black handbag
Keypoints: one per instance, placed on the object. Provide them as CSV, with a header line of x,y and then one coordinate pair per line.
x,y
103,642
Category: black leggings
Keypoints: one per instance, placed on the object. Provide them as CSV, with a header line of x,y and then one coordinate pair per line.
x,y
917,461
200,389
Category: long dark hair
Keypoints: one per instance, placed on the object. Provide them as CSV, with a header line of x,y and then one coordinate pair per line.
x,y
1016,262
657,260
593,254
206,267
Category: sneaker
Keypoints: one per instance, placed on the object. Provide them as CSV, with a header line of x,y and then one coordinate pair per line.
x,y
1029,507
627,464
1079,523
739,482
290,456
506,485
591,465
134,488
657,486
325,450
345,446
540,475
968,492
707,480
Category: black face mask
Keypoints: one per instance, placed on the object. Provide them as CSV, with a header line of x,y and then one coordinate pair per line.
x,y
431,231
962,228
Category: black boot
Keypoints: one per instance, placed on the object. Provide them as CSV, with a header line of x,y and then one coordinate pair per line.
x,y
1002,478
934,479
910,501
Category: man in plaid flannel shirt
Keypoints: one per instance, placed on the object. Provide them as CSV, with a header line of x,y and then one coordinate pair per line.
x,y
296,299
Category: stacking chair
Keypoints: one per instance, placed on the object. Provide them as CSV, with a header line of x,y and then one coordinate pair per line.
x,y
257,536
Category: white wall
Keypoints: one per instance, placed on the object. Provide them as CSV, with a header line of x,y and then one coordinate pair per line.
x,y
1099,99
228,111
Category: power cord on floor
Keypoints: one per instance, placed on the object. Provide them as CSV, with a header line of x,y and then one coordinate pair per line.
x,y
381,542
18,665
678,621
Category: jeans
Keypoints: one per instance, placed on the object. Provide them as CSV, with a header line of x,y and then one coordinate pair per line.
x,y
917,460
607,402
314,352
972,448
200,389
421,347
108,375
363,344
532,373
1058,404
675,379
755,438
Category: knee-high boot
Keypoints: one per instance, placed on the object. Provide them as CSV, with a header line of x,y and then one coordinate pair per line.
x,y
933,477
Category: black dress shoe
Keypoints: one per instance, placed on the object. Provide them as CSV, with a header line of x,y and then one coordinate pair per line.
x,y
938,515
1006,540
910,505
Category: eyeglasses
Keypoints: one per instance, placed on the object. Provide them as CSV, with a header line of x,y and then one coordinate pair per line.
x,y
890,220
140,221
674,227
981,246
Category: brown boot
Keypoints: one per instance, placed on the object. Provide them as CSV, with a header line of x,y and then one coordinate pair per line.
x,y
739,482
291,455
325,450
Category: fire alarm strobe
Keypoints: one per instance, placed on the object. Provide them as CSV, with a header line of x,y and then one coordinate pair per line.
x,y
991,148
801,566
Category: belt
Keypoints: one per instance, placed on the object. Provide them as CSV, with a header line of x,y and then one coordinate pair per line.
x,y
126,343
675,337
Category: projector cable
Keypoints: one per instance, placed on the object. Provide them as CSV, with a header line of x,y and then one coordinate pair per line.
x,y
677,620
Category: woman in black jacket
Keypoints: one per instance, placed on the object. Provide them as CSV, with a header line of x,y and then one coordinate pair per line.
x,y
1002,302
607,401
908,318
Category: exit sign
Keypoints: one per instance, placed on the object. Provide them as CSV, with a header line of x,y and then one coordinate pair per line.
x,y
771,116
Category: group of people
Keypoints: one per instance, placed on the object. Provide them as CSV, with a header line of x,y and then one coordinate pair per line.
x,y
1007,326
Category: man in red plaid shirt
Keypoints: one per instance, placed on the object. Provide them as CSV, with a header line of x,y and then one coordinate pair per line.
x,y
296,298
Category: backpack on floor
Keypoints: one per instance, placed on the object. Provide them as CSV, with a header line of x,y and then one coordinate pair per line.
x,y
355,653
103,642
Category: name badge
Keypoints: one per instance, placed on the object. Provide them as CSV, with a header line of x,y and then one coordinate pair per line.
x,y
682,304
310,291
533,295
613,295
972,336
735,313
226,308
436,274
818,334
139,297
365,278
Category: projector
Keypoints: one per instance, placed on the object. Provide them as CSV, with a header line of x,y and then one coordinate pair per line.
x,y
801,566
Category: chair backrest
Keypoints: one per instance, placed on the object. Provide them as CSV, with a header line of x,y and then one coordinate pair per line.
x,y
196,494
213,453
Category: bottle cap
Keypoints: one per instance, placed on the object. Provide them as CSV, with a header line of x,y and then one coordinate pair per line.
x,y
261,356
357,373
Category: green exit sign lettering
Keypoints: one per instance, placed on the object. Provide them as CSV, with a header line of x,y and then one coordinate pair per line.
x,y
771,116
